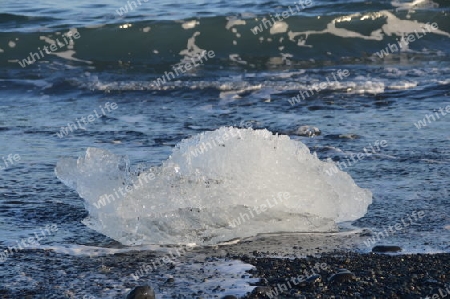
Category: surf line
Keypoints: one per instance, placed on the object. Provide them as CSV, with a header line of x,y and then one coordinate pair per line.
x,y
183,68
319,86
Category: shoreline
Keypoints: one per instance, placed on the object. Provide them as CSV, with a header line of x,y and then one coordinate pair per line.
x,y
291,265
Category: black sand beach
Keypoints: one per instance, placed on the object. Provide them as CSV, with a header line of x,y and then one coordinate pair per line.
x,y
294,265
361,276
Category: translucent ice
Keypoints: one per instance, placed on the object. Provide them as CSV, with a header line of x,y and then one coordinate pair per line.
x,y
216,186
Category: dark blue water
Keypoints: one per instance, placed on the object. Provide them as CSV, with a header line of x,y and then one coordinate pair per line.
x,y
248,82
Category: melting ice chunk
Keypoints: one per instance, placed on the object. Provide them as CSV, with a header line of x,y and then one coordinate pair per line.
x,y
216,186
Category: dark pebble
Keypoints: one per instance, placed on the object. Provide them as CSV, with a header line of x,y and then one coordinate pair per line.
x,y
313,278
386,248
261,290
307,131
142,292
229,297
341,277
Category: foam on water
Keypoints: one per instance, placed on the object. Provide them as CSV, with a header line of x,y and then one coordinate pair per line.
x,y
216,186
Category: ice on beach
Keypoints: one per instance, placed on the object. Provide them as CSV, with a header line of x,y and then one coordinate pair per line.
x,y
216,186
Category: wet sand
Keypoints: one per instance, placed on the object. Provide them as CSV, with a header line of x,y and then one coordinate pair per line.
x,y
294,265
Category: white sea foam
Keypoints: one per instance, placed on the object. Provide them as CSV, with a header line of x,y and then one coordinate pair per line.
x,y
208,190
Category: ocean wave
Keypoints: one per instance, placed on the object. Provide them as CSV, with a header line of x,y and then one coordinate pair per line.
x,y
252,42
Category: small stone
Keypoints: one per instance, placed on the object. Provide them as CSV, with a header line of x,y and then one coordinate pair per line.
x,y
142,292
386,248
256,253
261,290
229,297
307,131
313,278
349,136
342,277
366,233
